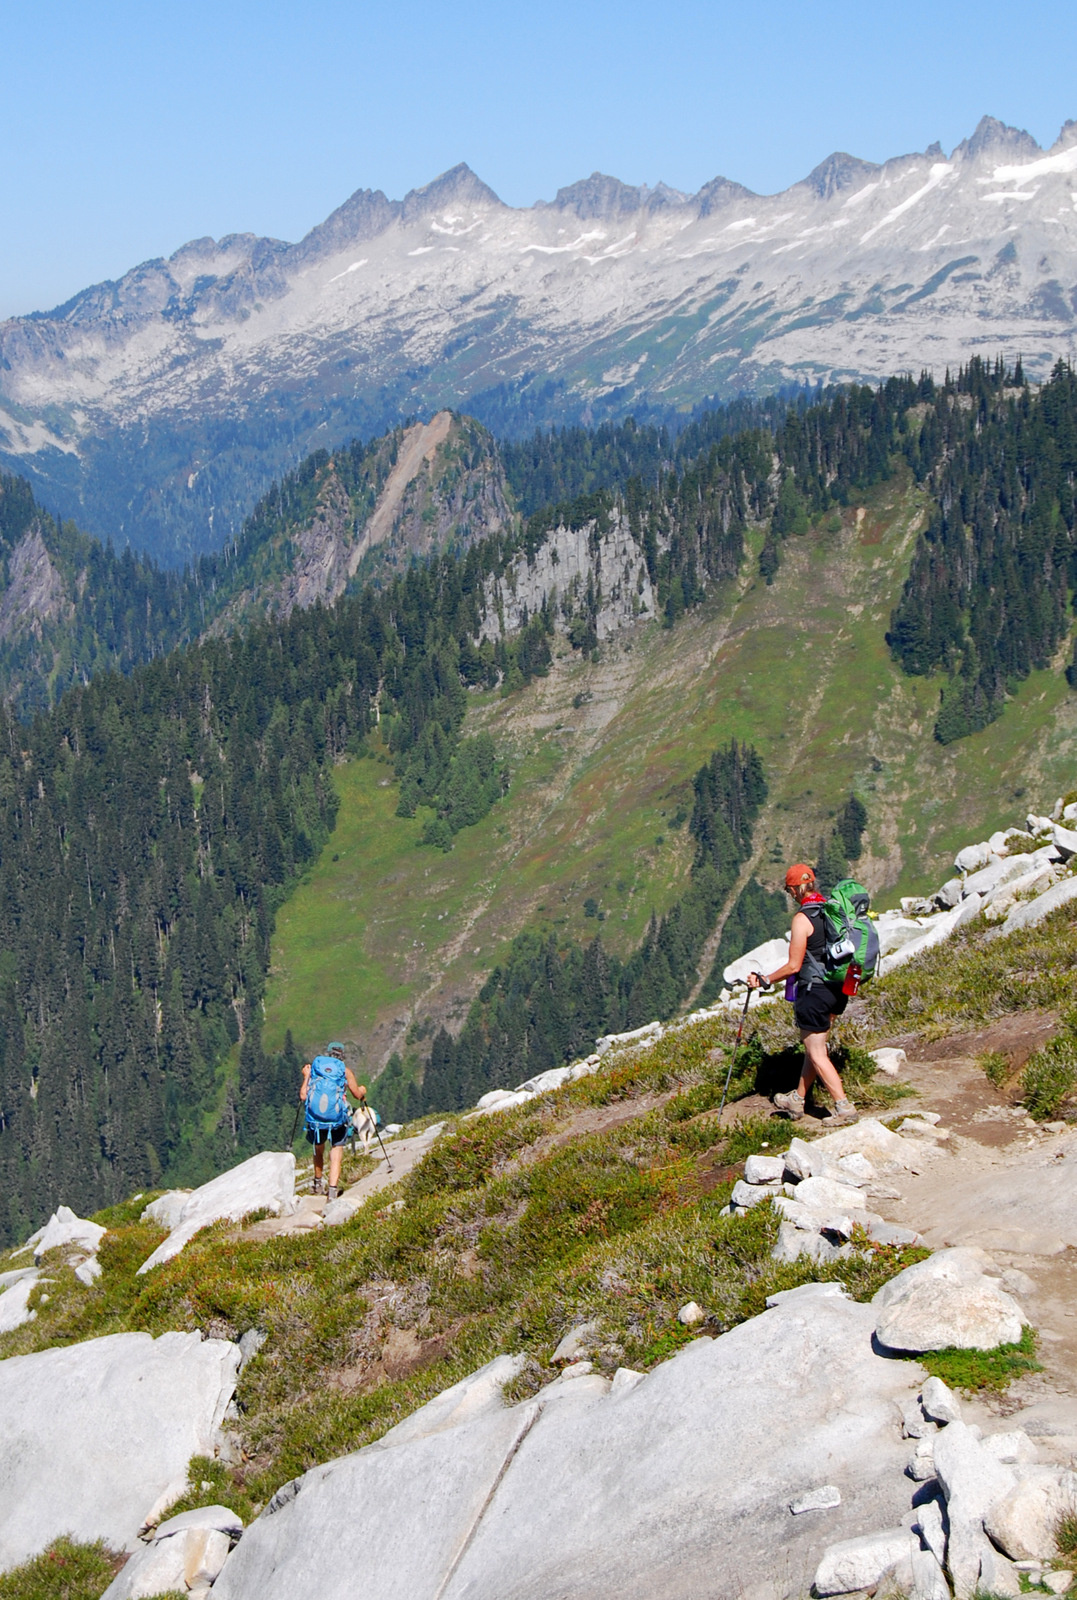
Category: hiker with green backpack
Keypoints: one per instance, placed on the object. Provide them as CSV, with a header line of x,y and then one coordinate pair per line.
x,y
328,1117
833,948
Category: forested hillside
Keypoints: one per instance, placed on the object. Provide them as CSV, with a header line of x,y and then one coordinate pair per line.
x,y
71,607
153,824
150,827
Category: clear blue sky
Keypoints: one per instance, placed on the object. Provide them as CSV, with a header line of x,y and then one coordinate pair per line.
x,y
129,128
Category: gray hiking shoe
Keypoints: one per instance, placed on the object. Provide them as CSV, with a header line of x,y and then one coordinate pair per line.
x,y
319,1186
844,1111
791,1103
334,1190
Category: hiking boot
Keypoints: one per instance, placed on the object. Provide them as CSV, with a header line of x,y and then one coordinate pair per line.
x,y
319,1186
792,1104
844,1111
334,1190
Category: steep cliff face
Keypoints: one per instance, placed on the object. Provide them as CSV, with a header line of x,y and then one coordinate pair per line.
x,y
447,487
584,575
35,590
413,492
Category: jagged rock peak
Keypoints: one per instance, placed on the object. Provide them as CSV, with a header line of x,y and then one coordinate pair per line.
x,y
601,198
720,192
839,171
993,135
363,215
458,186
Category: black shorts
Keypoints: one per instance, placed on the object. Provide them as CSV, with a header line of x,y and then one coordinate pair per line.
x,y
814,1007
320,1135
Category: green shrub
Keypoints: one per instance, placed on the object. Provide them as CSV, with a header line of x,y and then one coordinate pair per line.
x,y
973,1370
65,1571
1050,1077
1066,1534
996,1067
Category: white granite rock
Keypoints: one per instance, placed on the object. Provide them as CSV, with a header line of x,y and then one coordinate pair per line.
x,y
664,1490
87,1272
973,857
265,1182
894,930
65,1228
691,1315
822,1499
939,1401
998,1575
1058,1582
1028,912
1065,840
860,1563
969,909
187,1559
931,1521
504,1100
764,1169
1025,1521
576,1342
795,1244
14,1310
997,872
868,1137
133,1411
155,1570
745,1195
167,1209
921,1464
1015,1448
635,1036
806,1292
973,1483
934,930
825,1195
218,1517
928,1579
936,1314
764,958
889,1059
544,1082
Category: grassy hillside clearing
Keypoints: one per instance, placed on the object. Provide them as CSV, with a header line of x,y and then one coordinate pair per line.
x,y
383,937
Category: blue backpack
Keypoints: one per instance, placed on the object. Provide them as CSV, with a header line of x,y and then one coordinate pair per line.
x,y
326,1105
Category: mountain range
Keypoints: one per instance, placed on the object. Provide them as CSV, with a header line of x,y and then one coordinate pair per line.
x,y
158,408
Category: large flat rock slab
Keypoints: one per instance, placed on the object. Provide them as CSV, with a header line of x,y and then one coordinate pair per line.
x,y
266,1182
93,1437
666,1487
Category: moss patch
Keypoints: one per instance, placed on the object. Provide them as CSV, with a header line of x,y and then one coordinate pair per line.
x,y
974,1370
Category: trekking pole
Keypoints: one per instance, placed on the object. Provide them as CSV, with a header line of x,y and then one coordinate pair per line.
x,y
385,1153
736,1047
295,1125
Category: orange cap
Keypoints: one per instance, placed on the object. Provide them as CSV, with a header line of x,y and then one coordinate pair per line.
x,y
799,873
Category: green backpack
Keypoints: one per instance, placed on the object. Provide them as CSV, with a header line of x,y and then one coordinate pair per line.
x,y
849,932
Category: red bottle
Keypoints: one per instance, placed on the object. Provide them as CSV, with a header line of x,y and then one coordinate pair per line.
x,y
851,985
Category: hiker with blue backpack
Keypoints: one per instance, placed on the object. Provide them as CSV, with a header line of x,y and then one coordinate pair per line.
x,y
833,948
328,1117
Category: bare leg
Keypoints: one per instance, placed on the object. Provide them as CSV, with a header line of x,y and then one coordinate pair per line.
x,y
817,1064
336,1156
319,1160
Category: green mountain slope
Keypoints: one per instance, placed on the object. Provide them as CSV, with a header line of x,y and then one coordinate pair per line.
x,y
382,941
